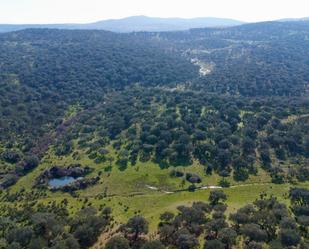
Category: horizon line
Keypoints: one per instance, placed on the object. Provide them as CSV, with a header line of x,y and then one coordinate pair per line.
x,y
176,17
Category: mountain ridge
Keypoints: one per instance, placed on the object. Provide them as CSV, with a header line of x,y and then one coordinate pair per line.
x,y
294,19
135,23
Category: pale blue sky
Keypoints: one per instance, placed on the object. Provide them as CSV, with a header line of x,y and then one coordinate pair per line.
x,y
83,11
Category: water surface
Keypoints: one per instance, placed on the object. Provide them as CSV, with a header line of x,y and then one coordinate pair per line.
x,y
62,181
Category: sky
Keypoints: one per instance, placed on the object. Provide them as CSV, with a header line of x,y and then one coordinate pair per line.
x,y
85,11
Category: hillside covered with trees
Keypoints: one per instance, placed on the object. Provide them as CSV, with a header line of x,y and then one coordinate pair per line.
x,y
158,119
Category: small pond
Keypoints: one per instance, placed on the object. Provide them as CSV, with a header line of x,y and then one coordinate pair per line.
x,y
62,181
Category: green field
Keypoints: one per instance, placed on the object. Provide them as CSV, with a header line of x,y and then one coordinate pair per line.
x,y
131,191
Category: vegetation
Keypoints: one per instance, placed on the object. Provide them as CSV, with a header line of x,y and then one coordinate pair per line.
x,y
195,139
48,226
265,221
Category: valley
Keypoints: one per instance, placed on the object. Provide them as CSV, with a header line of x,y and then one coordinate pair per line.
x,y
171,138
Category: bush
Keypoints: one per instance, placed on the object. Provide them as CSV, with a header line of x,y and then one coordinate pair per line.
x,y
117,242
192,188
10,156
176,173
224,183
153,245
193,178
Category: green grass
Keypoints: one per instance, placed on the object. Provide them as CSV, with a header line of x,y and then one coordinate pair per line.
x,y
72,111
134,179
128,188
151,205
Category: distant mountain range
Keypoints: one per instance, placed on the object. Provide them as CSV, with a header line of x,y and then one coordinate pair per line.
x,y
294,19
142,23
135,23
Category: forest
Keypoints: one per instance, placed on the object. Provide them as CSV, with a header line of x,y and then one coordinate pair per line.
x,y
211,126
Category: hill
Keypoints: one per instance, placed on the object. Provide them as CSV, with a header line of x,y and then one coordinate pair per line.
x,y
250,60
152,24
56,72
199,138
134,23
294,19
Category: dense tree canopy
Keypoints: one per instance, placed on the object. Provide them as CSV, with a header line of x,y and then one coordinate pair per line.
x,y
228,102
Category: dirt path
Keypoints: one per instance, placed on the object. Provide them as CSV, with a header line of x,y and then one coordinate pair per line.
x,y
180,190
